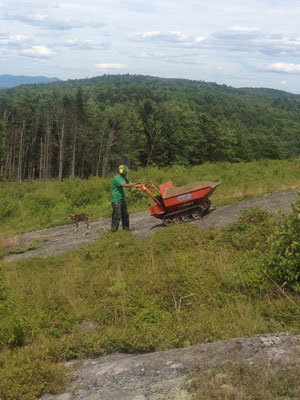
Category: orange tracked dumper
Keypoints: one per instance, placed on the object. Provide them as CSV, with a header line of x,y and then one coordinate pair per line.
x,y
174,205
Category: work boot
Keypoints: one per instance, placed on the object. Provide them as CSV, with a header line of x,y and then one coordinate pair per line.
x,y
129,229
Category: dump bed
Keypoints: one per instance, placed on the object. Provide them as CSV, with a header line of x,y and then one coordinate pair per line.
x,y
171,191
193,191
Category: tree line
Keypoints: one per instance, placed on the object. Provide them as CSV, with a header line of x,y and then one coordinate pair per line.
x,y
88,127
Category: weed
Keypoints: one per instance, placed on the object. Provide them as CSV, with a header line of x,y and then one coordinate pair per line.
x,y
244,382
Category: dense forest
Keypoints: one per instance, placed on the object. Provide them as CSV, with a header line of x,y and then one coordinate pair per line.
x,y
89,126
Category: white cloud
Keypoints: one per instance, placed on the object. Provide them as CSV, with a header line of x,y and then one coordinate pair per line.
x,y
236,38
175,59
109,66
13,40
152,55
276,44
283,82
85,44
32,4
244,29
286,68
42,20
38,51
236,33
169,37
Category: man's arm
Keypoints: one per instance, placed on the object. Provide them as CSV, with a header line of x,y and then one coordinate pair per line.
x,y
132,184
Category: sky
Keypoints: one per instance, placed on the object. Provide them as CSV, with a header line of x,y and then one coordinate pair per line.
x,y
240,43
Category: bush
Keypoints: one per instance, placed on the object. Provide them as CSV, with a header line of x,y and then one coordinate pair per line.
x,y
38,375
42,203
8,209
283,256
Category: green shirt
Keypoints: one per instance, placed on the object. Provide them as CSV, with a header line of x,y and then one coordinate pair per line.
x,y
118,191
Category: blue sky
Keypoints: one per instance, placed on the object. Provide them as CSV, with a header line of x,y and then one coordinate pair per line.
x,y
239,43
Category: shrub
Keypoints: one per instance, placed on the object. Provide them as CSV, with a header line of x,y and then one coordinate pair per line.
x,y
282,259
38,375
252,225
42,203
8,209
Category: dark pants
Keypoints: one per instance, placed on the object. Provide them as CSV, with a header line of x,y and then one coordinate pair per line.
x,y
119,212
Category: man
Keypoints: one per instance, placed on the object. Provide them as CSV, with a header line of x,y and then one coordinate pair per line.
x,y
120,183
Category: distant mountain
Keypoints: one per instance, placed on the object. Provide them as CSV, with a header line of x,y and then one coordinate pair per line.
x,y
8,81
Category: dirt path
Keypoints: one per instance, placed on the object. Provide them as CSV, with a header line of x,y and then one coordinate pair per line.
x,y
58,240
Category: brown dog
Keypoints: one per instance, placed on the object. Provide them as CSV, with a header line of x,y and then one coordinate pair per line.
x,y
78,218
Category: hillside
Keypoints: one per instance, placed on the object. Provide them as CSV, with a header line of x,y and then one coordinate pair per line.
x,y
9,81
178,292
166,291
90,126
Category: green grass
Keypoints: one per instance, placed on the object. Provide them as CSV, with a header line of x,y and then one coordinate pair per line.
x,y
243,382
34,244
37,205
174,289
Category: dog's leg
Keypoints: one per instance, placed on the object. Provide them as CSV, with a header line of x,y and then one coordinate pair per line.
x,y
87,223
76,230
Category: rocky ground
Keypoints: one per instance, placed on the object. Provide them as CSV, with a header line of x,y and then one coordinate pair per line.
x,y
163,375
57,240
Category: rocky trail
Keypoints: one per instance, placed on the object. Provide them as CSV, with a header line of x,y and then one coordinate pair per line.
x,y
59,239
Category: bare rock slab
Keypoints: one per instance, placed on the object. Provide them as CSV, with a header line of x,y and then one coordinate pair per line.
x,y
162,375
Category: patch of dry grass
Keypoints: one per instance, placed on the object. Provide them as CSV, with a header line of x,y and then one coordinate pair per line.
x,y
244,382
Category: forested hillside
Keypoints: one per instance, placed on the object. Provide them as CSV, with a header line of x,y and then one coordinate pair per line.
x,y
84,127
8,81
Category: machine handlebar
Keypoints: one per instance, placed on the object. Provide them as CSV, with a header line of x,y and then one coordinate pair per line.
x,y
145,185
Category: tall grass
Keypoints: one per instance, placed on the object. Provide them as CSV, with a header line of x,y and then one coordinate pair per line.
x,y
174,289
37,205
